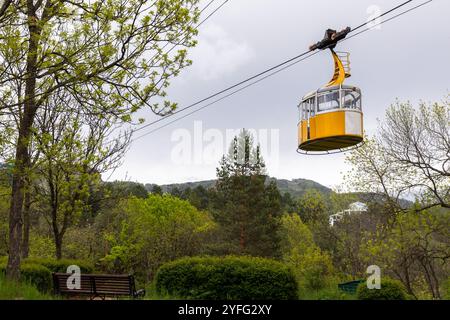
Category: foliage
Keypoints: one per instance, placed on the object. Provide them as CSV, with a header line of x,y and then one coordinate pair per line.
x,y
35,274
95,54
227,278
13,290
199,197
41,246
446,289
415,248
347,236
245,208
390,290
60,265
82,243
408,156
312,267
312,208
4,208
153,231
157,190
328,292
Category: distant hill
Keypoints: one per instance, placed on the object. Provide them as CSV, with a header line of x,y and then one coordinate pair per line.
x,y
182,186
296,187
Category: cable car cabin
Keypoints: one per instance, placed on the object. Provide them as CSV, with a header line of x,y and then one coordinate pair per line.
x,y
330,119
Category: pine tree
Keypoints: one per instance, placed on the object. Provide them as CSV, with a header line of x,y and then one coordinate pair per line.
x,y
245,208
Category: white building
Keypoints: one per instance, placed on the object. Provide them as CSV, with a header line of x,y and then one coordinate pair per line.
x,y
355,207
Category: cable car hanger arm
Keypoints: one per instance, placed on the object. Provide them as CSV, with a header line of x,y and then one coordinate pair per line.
x,y
330,40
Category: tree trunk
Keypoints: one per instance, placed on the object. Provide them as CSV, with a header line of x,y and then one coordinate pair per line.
x,y
17,196
22,160
242,238
58,246
407,283
26,224
436,281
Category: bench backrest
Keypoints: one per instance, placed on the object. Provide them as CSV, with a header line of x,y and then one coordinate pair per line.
x,y
100,284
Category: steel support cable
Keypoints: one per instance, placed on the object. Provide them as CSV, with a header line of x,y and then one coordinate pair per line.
x,y
285,65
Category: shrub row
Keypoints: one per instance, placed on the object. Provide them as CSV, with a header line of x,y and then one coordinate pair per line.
x,y
390,290
226,278
61,265
34,274
38,272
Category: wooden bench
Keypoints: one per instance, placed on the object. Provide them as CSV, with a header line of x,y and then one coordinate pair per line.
x,y
98,286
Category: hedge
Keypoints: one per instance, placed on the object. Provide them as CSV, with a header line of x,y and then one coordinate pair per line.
x,y
226,278
34,274
446,289
38,271
56,265
390,290
61,265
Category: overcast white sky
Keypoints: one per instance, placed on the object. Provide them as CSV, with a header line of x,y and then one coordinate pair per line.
x,y
408,58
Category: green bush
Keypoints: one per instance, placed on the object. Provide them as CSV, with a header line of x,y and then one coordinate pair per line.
x,y
38,271
446,289
390,290
55,265
226,278
61,265
11,290
34,274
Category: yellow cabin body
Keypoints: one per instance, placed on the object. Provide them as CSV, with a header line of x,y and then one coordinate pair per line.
x,y
331,118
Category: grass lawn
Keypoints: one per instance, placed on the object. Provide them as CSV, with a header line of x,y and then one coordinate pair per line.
x,y
20,291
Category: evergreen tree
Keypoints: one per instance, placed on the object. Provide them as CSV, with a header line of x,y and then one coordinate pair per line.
x,y
157,190
246,209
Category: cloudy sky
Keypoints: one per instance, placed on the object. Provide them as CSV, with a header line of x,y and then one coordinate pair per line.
x,y
407,58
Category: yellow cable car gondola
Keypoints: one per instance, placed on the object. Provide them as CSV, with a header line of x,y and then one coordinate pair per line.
x,y
331,118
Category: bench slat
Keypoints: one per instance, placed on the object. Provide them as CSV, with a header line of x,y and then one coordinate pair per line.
x,y
96,285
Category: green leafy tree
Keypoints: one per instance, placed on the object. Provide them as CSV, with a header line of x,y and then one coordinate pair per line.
x,y
413,248
71,156
312,208
410,155
108,55
312,266
153,231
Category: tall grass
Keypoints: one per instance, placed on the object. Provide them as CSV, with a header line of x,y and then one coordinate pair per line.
x,y
327,293
10,290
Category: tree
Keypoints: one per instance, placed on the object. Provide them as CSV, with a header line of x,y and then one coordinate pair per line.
x,y
198,197
312,208
157,190
288,203
176,192
73,155
410,155
153,231
98,52
312,266
246,209
414,248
